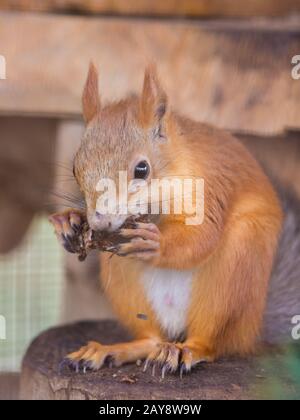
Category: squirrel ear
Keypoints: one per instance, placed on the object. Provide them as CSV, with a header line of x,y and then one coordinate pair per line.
x,y
90,96
154,99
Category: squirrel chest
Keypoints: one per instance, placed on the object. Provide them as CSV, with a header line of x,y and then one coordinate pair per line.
x,y
169,292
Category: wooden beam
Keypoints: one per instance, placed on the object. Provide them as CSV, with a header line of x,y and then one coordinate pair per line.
x,y
192,8
234,75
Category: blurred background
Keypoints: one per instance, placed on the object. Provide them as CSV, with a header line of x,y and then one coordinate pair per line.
x,y
229,63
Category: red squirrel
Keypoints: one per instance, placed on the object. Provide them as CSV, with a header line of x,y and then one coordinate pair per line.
x,y
187,293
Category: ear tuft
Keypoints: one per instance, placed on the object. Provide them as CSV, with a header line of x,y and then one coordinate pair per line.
x,y
90,97
154,99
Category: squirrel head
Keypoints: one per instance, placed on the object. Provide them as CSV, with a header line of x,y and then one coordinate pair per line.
x,y
130,136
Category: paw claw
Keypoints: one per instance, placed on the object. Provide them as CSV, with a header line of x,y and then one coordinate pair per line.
x,y
71,364
146,364
163,371
153,369
74,365
75,227
173,357
93,356
62,364
109,360
183,370
113,248
67,244
86,365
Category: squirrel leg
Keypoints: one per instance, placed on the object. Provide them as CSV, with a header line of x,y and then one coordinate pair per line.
x,y
67,225
95,355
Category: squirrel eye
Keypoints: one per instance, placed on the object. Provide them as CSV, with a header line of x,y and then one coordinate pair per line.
x,y
142,169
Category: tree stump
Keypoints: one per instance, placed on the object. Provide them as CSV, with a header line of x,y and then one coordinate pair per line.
x,y
41,377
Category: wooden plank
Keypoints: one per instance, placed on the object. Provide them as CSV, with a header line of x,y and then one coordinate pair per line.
x,y
231,8
234,75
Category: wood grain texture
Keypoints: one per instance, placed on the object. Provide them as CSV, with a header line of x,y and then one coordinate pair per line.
x,y
226,379
161,8
236,76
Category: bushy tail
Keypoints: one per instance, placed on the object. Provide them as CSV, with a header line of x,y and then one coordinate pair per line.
x,y
284,291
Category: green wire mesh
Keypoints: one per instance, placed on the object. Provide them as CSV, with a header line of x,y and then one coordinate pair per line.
x,y
31,280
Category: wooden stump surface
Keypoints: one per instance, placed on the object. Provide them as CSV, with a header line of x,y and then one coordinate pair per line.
x,y
41,379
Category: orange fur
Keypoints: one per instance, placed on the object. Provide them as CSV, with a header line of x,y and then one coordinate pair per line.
x,y
90,97
231,253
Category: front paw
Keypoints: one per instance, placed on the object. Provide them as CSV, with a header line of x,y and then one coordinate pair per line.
x,y
94,356
68,225
144,244
166,357
176,357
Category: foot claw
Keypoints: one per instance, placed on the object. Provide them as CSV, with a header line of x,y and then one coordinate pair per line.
x,y
74,364
171,358
86,365
67,243
75,227
63,363
183,370
109,360
153,369
146,364
93,356
163,371
114,248
71,364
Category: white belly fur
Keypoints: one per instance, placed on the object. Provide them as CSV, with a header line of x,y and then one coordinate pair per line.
x,y
168,292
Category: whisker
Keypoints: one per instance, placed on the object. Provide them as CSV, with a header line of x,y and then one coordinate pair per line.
x,y
70,198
